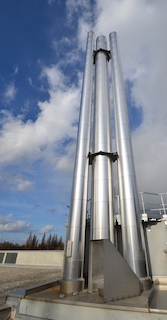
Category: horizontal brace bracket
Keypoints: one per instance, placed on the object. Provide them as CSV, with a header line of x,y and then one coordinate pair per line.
x,y
106,52
112,155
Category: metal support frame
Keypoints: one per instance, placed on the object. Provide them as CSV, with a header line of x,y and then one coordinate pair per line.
x,y
113,156
106,52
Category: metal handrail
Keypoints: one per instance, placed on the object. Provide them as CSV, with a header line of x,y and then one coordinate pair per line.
x,y
162,203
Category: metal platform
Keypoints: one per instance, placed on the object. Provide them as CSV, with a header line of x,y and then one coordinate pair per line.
x,y
46,302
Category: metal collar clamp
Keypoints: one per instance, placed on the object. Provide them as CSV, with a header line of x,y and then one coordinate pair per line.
x,y
112,155
106,52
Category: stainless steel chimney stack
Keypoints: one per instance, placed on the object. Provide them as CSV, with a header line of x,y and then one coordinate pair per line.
x,y
101,248
129,203
74,253
102,225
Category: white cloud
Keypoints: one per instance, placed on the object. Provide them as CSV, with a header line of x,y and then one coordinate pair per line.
x,y
65,162
7,225
16,70
25,108
18,226
31,82
10,93
17,182
30,141
23,185
55,77
63,42
5,219
46,229
67,51
79,7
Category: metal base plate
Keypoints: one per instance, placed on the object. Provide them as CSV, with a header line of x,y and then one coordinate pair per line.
x,y
71,286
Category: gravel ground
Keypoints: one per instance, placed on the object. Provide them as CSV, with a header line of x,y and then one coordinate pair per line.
x,y
15,278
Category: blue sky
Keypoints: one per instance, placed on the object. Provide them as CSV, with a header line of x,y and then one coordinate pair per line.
x,y
41,65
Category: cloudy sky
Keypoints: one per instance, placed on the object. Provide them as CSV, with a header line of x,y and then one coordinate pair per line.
x,y
41,65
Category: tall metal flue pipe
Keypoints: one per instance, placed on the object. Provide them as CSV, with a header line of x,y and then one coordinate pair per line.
x,y
129,202
102,225
74,254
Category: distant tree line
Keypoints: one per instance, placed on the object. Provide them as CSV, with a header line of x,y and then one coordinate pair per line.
x,y
52,242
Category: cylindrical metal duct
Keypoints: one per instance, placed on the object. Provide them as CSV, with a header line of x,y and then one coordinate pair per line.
x,y
129,203
101,198
74,254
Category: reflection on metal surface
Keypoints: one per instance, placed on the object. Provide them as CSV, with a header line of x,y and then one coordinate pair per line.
x,y
129,203
73,266
102,225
